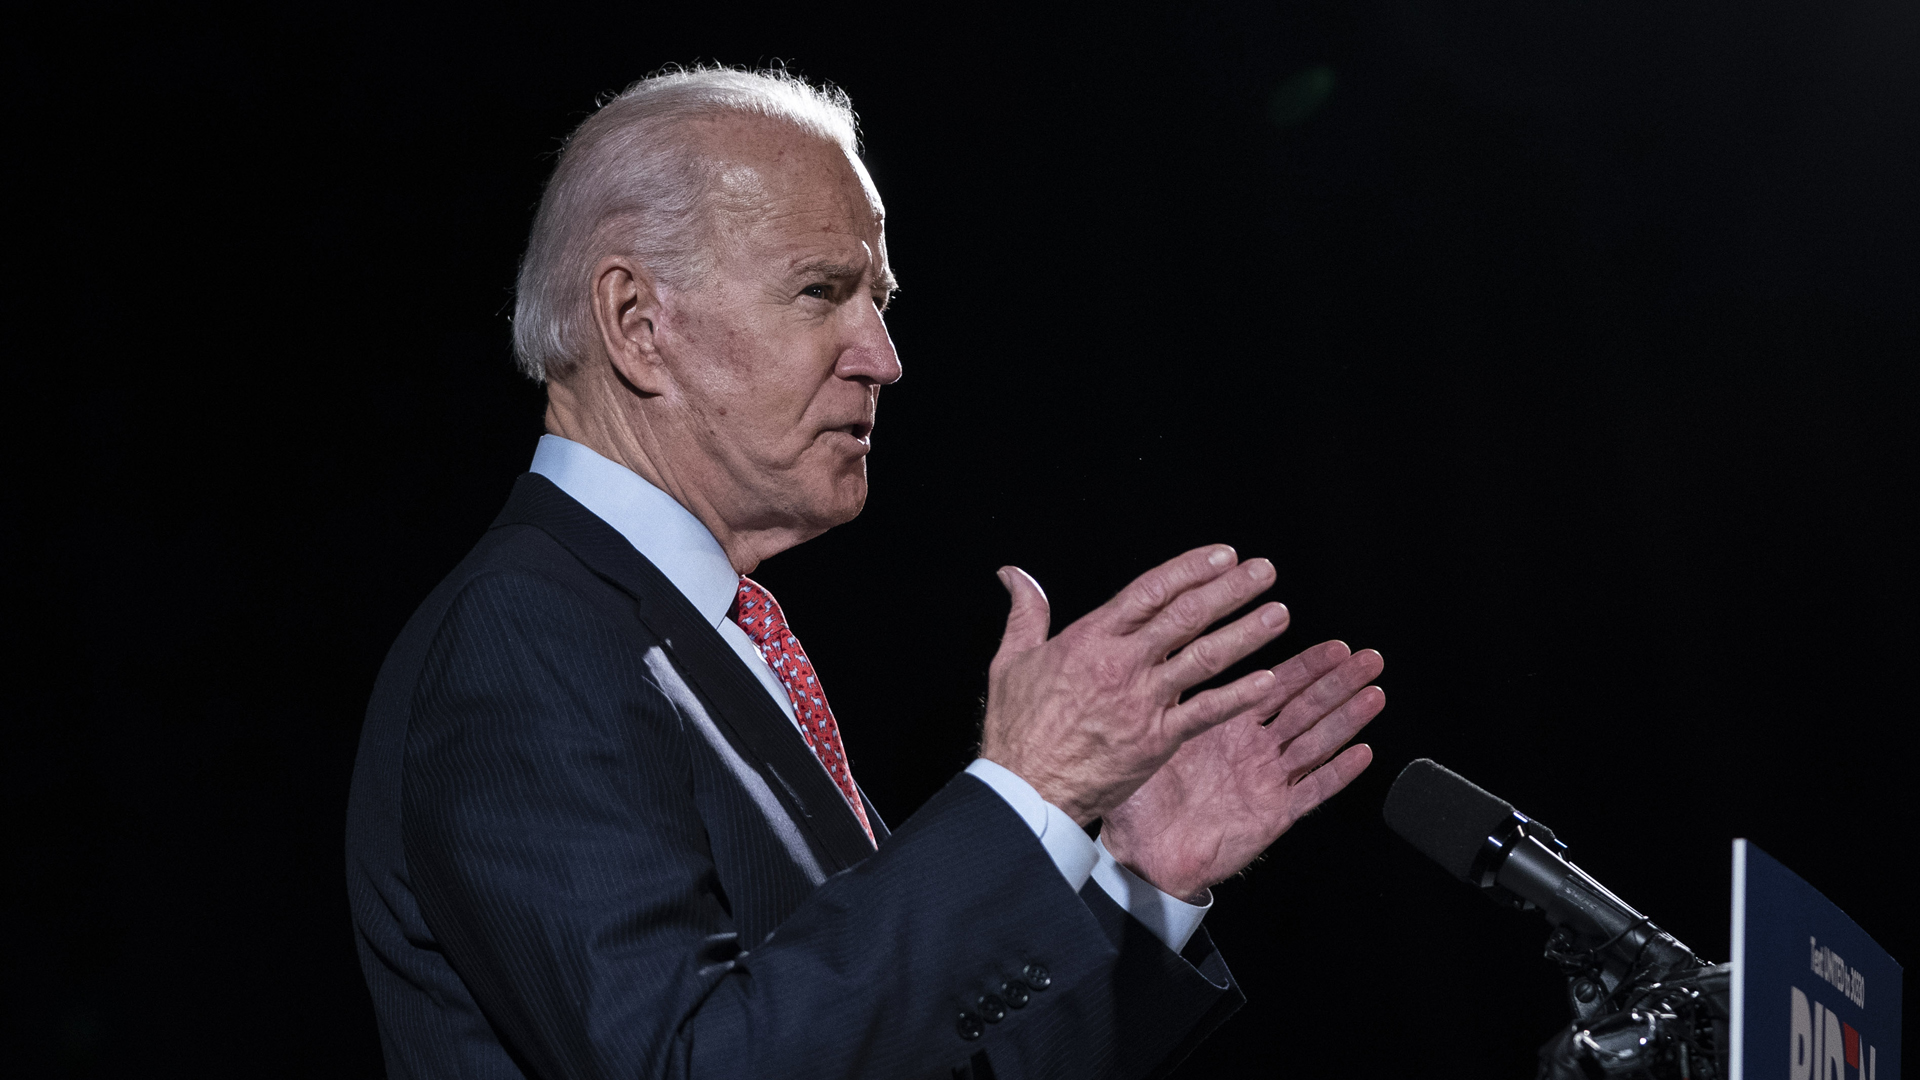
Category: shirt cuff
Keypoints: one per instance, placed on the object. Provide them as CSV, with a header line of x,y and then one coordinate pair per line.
x,y
1072,850
1078,858
1170,918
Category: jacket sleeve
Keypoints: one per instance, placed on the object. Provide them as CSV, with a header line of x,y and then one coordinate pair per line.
x,y
558,857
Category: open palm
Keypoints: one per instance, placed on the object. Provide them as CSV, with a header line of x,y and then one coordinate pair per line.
x,y
1230,791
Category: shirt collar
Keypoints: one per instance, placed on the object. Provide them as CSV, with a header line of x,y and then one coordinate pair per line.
x,y
658,527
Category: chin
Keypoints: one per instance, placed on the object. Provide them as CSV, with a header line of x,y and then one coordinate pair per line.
x,y
851,499
842,501
819,499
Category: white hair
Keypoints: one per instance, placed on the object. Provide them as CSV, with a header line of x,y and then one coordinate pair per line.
x,y
631,181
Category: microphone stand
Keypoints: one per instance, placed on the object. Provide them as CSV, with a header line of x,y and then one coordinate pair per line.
x,y
1645,1007
1674,1028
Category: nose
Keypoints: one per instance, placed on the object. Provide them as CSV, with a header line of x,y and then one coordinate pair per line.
x,y
867,354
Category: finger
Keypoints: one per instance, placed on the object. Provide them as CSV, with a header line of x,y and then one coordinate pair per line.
x,y
1328,692
1289,679
1209,656
1326,781
1241,697
1318,742
1148,594
1186,615
1029,617
1299,672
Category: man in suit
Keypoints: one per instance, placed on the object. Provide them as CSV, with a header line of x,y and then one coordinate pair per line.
x,y
602,822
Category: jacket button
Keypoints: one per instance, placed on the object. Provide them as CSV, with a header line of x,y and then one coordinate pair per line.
x,y
969,1026
992,1009
1037,976
1016,994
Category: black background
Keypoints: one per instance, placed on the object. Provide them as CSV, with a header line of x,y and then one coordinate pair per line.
x,y
1562,351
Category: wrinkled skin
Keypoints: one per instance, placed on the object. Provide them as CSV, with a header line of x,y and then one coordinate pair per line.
x,y
1088,715
1228,793
1191,791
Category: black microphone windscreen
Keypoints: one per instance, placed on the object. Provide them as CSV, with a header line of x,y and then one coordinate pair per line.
x,y
1444,814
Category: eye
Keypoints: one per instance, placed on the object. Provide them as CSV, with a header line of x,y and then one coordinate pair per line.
x,y
818,292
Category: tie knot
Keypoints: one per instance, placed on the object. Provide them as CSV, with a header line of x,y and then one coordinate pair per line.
x,y
755,609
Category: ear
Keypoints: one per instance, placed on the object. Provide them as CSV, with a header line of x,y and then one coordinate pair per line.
x,y
626,308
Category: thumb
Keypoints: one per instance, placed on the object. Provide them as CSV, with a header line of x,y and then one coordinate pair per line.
x,y
1029,618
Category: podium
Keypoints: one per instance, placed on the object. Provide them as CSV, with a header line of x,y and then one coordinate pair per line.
x,y
1812,996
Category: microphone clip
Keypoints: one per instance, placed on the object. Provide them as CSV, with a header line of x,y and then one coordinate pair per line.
x,y
1498,845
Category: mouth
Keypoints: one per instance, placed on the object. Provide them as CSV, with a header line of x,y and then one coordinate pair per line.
x,y
859,430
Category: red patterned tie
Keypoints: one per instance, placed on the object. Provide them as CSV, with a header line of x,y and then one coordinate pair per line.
x,y
760,616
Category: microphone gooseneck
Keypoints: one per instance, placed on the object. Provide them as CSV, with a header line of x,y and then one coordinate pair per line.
x,y
1482,840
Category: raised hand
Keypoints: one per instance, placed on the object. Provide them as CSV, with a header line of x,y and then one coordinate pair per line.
x,y
1089,715
1230,791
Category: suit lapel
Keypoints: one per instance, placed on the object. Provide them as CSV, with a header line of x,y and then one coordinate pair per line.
x,y
739,704
880,830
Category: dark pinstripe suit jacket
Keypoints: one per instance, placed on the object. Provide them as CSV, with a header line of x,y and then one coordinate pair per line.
x,y
583,842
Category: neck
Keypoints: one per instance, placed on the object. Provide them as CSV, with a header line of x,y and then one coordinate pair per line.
x,y
622,431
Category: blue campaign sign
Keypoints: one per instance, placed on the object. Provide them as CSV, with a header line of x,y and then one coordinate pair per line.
x,y
1814,998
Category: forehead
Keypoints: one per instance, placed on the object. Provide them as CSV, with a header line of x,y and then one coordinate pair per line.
x,y
779,187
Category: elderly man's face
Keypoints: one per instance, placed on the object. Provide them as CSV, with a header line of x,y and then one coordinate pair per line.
x,y
778,355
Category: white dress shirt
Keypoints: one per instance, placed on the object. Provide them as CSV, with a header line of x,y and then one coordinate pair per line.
x,y
675,541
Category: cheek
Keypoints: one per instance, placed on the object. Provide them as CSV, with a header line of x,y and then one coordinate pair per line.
x,y
734,398
773,408
767,431
753,388
772,424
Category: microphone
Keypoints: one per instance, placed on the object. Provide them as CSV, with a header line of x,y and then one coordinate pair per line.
x,y
1482,840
